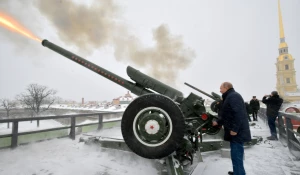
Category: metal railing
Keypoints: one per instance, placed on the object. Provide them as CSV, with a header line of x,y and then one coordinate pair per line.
x,y
15,125
285,130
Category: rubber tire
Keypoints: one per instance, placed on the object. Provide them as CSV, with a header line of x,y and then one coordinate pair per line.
x,y
169,106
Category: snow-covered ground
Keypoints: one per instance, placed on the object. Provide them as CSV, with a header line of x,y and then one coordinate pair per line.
x,y
265,158
67,157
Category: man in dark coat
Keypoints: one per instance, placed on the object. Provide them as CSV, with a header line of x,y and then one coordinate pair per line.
x,y
249,111
273,103
254,103
233,117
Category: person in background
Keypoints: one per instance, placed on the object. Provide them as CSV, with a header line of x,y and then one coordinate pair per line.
x,y
254,103
273,103
233,117
249,111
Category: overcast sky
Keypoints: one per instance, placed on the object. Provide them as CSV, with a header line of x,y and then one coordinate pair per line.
x,y
200,42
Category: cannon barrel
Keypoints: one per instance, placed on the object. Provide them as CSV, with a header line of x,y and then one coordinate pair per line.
x,y
214,96
134,88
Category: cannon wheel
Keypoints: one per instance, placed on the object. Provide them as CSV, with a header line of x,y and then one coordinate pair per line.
x,y
153,126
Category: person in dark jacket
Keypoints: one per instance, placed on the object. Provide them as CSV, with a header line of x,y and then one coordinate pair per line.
x,y
233,117
273,103
249,111
254,103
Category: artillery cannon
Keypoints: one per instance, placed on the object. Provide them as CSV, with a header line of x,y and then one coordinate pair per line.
x,y
160,121
214,106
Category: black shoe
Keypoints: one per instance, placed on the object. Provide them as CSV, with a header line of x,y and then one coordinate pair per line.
x,y
230,172
272,138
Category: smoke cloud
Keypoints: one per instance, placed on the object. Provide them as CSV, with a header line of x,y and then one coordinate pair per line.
x,y
96,25
163,61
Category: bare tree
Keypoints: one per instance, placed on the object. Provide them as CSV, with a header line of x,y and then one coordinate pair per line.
x,y
8,106
37,98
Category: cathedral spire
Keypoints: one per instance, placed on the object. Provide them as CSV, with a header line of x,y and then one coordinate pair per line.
x,y
281,31
283,47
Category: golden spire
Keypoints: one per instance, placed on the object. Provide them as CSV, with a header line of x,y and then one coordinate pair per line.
x,y
281,31
280,21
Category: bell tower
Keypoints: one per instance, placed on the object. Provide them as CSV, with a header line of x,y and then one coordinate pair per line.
x,y
286,74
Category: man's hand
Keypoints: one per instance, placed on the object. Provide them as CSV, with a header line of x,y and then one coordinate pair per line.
x,y
214,123
233,133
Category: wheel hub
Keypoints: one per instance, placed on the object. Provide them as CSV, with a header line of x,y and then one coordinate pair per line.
x,y
152,126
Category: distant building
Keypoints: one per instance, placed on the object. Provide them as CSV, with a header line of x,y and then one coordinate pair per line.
x,y
286,74
94,103
123,100
69,102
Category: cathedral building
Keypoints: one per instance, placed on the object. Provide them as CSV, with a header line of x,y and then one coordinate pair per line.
x,y
286,73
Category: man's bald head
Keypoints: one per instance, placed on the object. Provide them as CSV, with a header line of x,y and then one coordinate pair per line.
x,y
225,86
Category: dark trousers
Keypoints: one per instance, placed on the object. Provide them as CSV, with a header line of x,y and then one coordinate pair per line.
x,y
249,118
272,126
237,155
254,115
